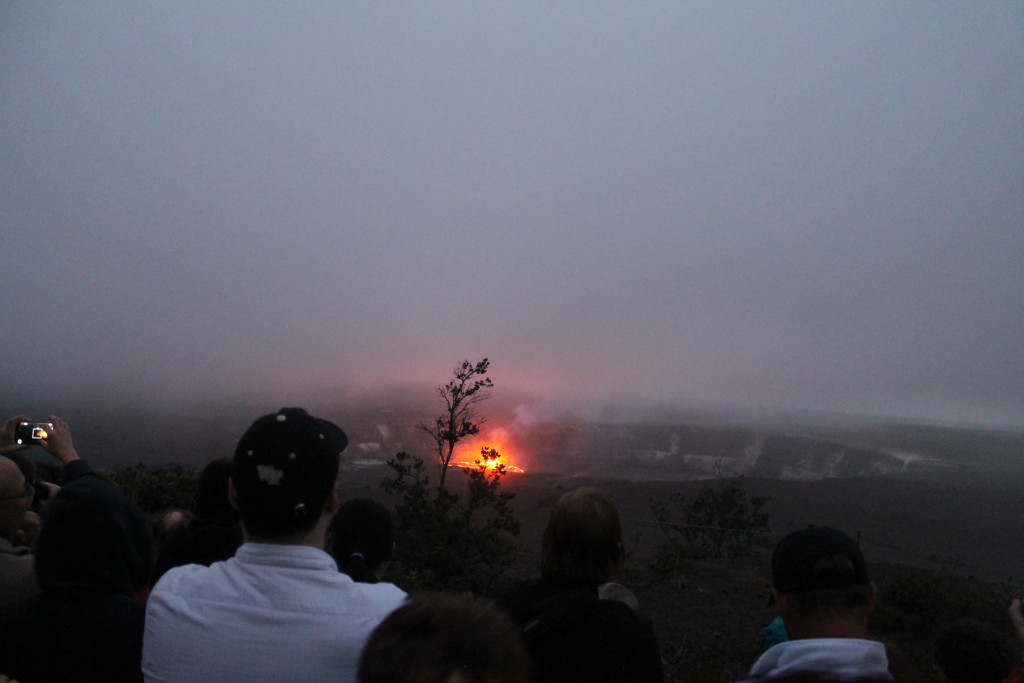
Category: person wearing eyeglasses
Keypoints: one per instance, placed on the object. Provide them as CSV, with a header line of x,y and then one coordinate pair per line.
x,y
17,492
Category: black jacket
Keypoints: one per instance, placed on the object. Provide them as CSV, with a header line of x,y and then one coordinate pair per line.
x,y
572,635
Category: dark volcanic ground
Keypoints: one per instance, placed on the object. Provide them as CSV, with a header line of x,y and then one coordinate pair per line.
x,y
718,607
969,530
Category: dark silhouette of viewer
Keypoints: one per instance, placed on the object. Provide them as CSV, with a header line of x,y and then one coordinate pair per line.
x,y
362,539
213,535
570,632
93,553
443,638
824,594
212,501
971,651
166,523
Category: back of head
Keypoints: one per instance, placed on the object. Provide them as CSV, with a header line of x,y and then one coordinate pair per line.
x,y
821,569
970,651
212,494
583,539
93,541
362,537
285,466
440,637
167,522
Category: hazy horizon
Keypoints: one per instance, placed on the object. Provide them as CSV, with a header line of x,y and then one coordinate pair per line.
x,y
504,407
788,206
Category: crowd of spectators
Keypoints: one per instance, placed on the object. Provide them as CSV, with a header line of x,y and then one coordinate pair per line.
x,y
272,578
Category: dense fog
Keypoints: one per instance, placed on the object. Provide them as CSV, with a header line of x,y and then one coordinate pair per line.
x,y
781,206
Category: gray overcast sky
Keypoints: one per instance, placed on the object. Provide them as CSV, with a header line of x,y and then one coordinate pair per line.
x,y
788,204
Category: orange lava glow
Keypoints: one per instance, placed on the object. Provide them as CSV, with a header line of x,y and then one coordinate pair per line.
x,y
491,465
468,453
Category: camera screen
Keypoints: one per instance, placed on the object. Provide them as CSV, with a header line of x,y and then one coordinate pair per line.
x,y
27,432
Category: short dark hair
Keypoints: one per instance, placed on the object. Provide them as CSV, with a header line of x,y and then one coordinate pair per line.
x,y
435,635
212,493
583,538
362,538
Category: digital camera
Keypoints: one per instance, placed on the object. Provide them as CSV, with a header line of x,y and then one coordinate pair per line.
x,y
32,432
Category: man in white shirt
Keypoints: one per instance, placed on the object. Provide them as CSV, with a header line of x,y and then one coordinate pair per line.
x,y
280,609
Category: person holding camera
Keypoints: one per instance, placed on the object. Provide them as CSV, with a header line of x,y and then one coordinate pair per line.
x,y
92,554
18,522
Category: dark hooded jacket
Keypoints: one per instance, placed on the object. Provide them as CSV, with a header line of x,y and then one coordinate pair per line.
x,y
93,554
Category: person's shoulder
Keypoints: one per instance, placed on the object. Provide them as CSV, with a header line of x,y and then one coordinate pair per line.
x,y
384,588
9,551
394,592
379,596
810,660
182,579
613,616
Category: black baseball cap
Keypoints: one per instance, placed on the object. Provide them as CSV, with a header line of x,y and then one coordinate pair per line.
x,y
286,464
795,565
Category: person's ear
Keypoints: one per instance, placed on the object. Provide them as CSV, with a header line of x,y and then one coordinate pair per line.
x,y
232,494
781,602
333,502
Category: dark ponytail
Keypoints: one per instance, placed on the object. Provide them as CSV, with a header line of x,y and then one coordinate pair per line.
x,y
355,566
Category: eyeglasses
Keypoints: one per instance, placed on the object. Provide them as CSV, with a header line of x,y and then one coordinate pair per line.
x,y
27,492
